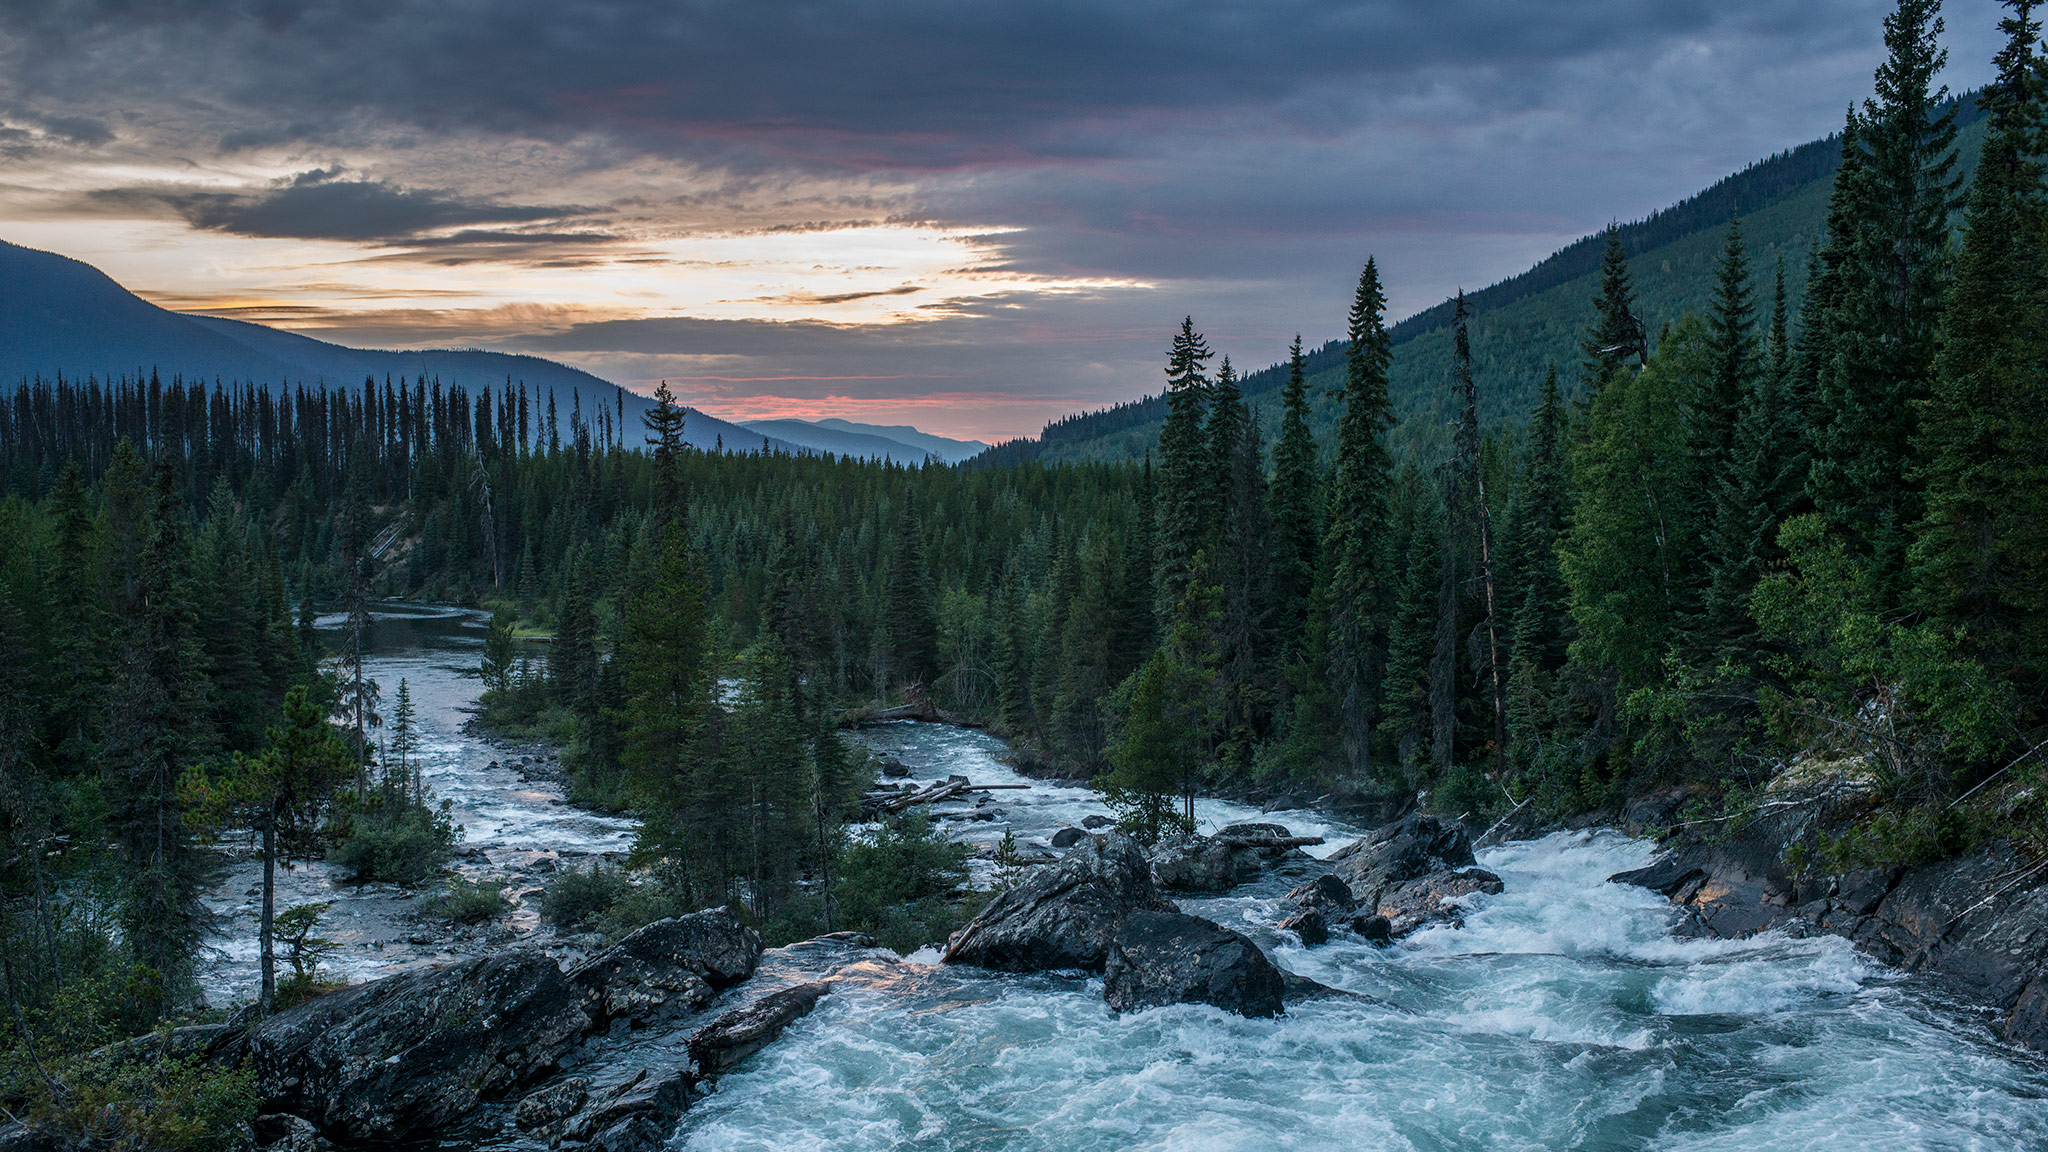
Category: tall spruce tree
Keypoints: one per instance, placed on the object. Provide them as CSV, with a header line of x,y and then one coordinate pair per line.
x,y
1184,473
1292,505
1617,334
911,616
1981,559
1887,314
1355,537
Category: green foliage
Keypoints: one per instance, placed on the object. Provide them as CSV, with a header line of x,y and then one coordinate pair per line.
x,y
151,1104
892,882
577,899
398,843
467,901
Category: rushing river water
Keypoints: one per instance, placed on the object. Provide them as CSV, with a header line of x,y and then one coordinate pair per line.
x,y
1562,1013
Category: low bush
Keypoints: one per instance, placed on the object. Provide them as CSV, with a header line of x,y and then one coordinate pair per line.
x,y
577,899
400,845
467,901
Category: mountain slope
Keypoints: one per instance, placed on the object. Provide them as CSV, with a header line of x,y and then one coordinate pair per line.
x,y
1526,321
840,443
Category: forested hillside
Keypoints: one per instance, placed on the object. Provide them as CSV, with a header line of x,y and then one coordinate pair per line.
x,y
1529,320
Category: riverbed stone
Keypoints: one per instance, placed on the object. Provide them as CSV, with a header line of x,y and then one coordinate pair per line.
x,y
1188,863
1407,849
1161,958
1063,916
1410,904
1068,837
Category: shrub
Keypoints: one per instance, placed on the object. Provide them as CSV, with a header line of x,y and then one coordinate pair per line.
x,y
577,899
467,901
402,845
891,882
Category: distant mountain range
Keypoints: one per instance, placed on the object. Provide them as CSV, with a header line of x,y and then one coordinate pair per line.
x,y
63,317
898,442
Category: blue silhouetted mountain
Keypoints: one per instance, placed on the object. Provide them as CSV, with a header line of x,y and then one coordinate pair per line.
x,y
60,316
901,443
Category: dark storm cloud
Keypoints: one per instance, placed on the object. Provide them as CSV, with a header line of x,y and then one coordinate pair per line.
x,y
873,84
321,205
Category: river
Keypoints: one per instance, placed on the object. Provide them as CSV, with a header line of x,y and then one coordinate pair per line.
x,y
1561,1014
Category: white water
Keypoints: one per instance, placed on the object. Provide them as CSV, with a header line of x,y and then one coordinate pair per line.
x,y
1562,1014
513,822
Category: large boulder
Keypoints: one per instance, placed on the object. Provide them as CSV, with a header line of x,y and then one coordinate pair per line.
x,y
1407,849
1065,914
402,1056
1390,882
1160,958
1234,855
669,966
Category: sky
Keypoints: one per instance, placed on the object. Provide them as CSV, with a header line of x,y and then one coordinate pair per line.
x,y
968,216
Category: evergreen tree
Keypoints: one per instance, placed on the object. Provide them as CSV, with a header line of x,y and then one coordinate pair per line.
x,y
1183,466
1357,524
1617,334
1887,315
1244,626
1981,559
912,619
1292,501
1541,502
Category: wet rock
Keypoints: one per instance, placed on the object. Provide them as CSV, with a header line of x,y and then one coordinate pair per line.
x,y
1194,864
745,1030
895,769
1310,925
669,966
636,1116
554,1102
1068,837
1373,929
1412,903
284,1133
1407,849
402,1056
1093,823
1064,915
1160,958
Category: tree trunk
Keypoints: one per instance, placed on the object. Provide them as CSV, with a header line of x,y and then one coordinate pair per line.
x,y
265,932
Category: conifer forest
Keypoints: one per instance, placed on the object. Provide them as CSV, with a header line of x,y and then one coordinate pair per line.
x,y
1793,531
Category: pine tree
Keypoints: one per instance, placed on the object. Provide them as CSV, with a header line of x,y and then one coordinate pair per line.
x,y
1357,524
1292,501
1222,430
1617,334
1244,625
1541,501
1981,558
1183,471
1755,493
1887,316
912,618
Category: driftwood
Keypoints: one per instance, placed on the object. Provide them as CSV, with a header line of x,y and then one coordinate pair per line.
x,y
917,706
884,800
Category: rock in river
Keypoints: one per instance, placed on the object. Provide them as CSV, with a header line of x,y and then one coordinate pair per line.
x,y
1160,958
1391,882
1063,916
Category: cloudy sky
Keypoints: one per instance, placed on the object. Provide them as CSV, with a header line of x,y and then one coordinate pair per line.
x,y
969,216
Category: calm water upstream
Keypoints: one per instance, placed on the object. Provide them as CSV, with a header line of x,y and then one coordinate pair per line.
x,y
1562,1015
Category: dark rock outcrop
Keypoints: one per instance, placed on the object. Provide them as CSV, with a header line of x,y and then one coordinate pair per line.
x,y
408,1054
669,966
1068,837
745,1030
1234,855
1977,925
1065,915
1160,958
1390,883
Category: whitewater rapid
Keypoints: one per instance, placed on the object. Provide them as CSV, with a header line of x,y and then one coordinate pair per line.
x,y
1561,1014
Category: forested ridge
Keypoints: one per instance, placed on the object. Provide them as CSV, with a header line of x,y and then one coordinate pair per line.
x,y
1790,549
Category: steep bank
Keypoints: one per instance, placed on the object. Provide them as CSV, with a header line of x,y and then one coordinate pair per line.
x,y
1977,926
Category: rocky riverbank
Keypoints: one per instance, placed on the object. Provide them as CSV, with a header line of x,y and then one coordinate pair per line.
x,y
1976,925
